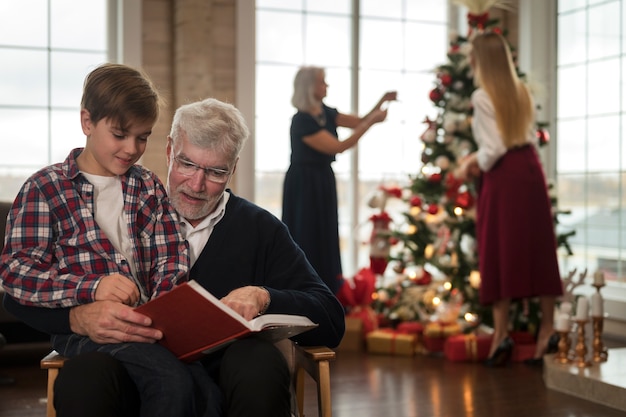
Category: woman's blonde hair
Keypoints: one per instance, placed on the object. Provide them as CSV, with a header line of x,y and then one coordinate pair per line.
x,y
494,71
303,97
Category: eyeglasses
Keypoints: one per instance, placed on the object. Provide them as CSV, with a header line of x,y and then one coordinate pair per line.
x,y
188,169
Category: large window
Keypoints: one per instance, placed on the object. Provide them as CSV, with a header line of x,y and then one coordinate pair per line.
x,y
46,49
367,47
591,158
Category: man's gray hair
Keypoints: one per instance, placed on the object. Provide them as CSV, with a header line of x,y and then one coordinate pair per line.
x,y
211,124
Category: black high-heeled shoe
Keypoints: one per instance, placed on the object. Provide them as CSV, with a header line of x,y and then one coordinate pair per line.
x,y
553,347
553,343
502,354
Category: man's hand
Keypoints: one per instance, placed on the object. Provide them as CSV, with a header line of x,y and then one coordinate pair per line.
x,y
112,322
247,301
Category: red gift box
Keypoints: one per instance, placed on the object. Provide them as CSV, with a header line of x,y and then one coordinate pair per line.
x,y
467,347
434,344
524,347
522,338
521,352
411,327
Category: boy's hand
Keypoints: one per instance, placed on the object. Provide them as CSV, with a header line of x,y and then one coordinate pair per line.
x,y
116,287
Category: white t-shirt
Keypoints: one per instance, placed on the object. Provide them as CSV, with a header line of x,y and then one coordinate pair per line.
x,y
109,214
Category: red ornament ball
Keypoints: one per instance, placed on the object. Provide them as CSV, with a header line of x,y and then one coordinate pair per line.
x,y
433,209
446,79
464,200
436,177
415,201
435,95
542,136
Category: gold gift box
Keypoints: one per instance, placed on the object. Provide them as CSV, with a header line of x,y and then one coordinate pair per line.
x,y
390,342
353,340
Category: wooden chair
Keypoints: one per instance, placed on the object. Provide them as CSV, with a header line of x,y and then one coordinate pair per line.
x,y
314,361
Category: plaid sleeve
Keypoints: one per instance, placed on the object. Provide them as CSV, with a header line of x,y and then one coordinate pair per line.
x,y
29,266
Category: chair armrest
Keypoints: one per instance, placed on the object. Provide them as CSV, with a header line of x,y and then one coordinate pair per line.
x,y
310,358
52,360
315,353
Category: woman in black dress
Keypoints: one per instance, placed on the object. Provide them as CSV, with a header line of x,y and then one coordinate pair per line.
x,y
309,191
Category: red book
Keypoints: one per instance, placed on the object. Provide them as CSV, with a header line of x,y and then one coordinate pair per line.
x,y
194,322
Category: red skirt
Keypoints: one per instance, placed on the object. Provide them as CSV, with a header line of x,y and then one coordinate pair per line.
x,y
515,230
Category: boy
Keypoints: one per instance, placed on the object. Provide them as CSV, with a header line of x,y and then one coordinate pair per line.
x,y
98,227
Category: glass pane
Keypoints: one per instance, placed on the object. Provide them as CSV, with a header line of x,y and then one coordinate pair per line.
x,y
87,20
603,98
381,45
565,5
274,88
66,133
269,191
374,84
24,130
272,43
339,91
381,9
425,56
328,41
23,77
623,30
571,150
329,6
434,11
622,148
24,23
571,38
604,143
571,196
273,148
280,4
604,30
67,75
571,97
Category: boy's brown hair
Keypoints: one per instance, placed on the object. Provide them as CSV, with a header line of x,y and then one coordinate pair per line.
x,y
120,93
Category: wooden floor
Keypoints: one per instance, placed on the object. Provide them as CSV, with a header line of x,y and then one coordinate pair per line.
x,y
367,386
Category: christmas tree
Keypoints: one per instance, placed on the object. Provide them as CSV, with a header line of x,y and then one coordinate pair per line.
x,y
434,253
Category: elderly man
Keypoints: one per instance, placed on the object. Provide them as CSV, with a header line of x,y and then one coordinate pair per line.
x,y
239,252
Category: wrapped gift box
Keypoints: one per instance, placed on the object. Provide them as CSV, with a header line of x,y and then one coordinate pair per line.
x,y
524,347
391,342
521,352
436,333
367,316
467,347
353,339
416,328
522,338
411,327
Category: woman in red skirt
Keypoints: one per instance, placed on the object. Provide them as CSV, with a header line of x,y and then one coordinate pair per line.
x,y
514,227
